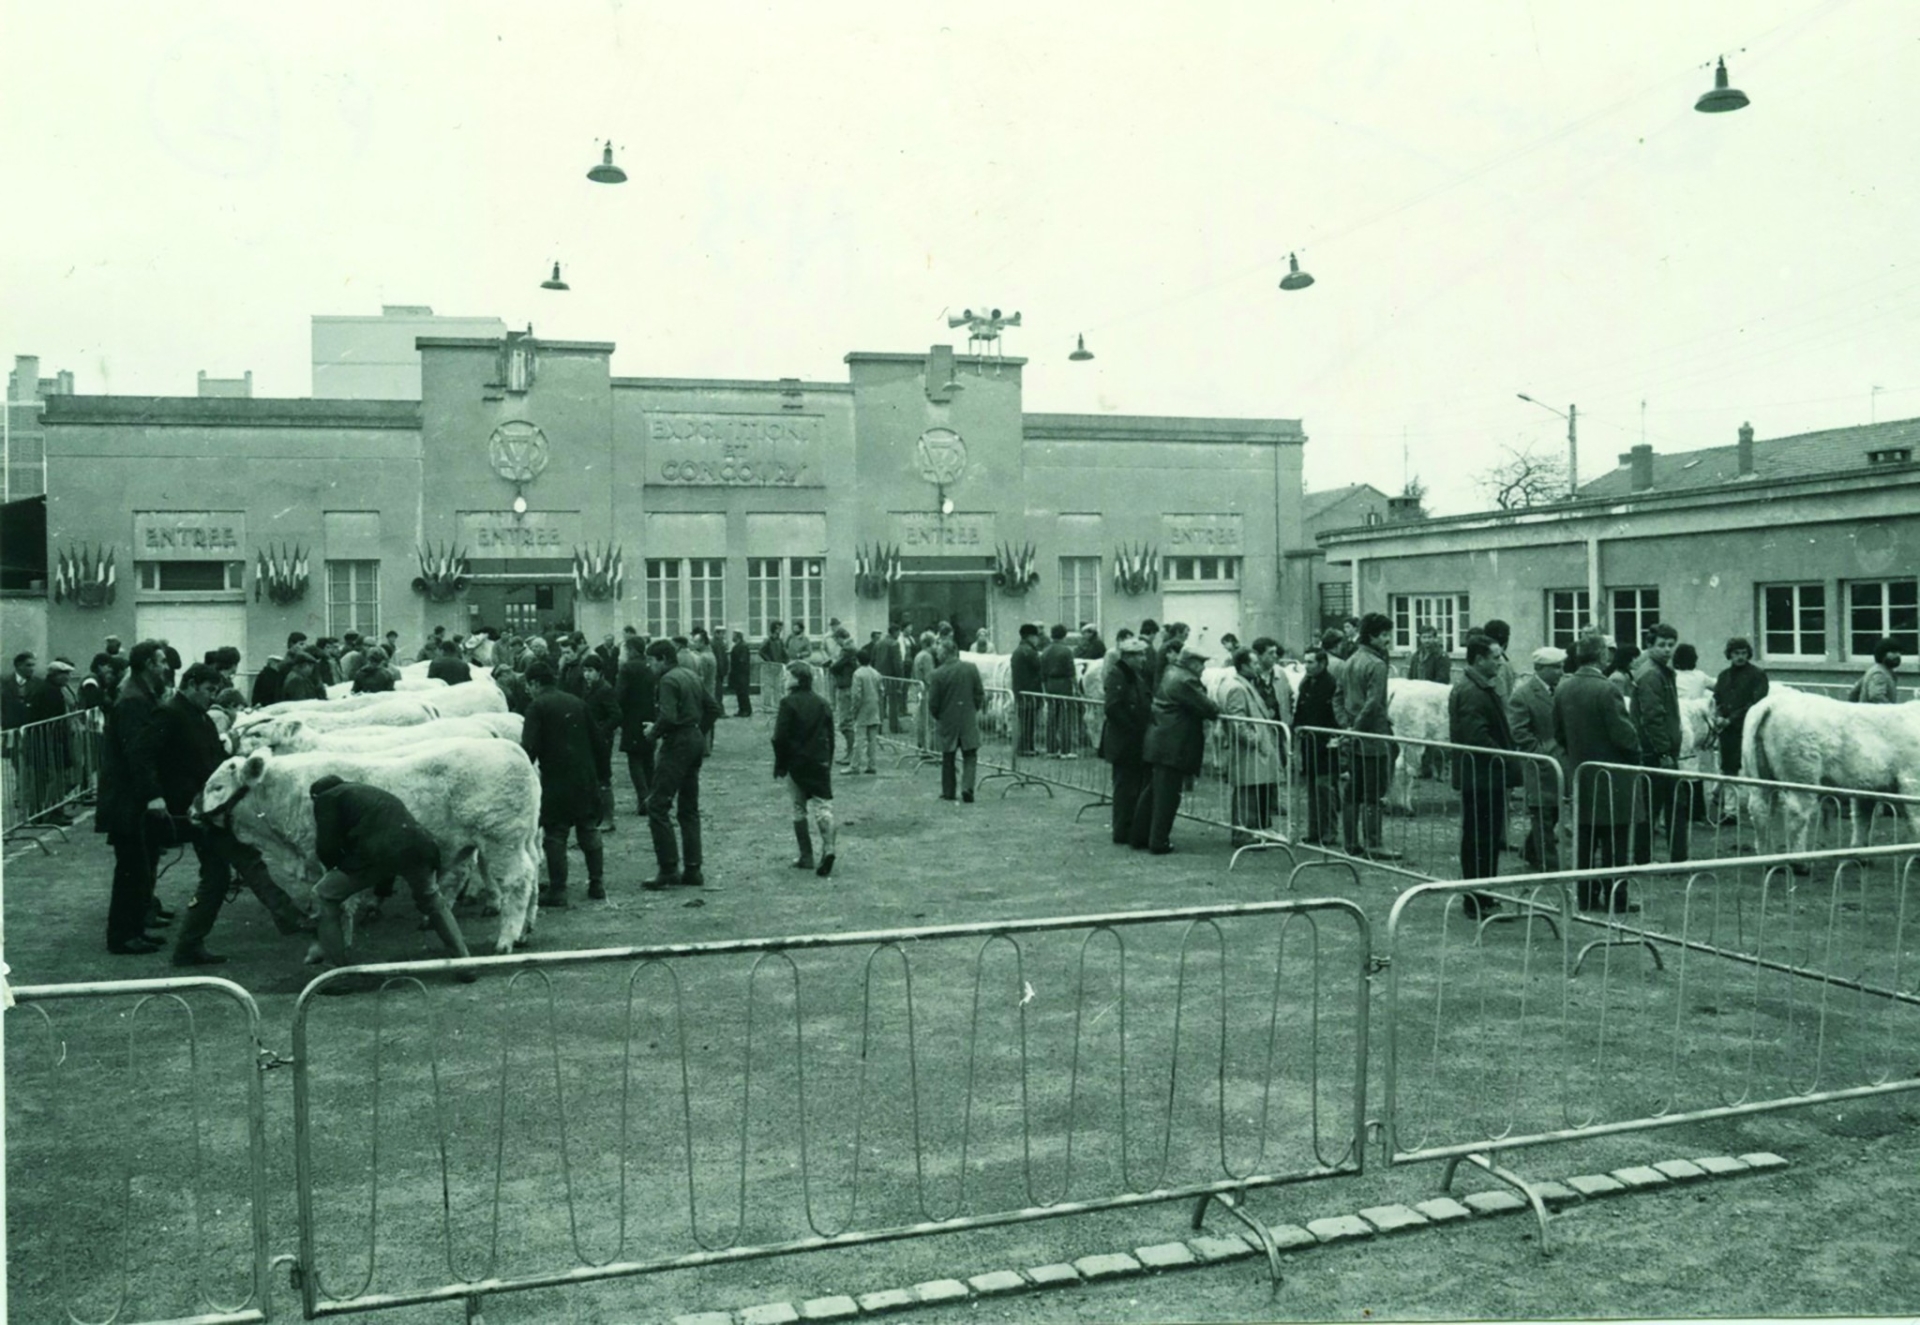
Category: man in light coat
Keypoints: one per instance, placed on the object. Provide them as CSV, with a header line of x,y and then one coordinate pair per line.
x,y
1360,702
1530,718
866,703
1252,749
924,662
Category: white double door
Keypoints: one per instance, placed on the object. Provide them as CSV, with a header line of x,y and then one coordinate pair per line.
x,y
194,628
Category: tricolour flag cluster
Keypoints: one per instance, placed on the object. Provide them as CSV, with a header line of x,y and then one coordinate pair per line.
x,y
598,576
83,575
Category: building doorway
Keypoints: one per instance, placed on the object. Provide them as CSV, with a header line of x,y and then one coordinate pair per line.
x,y
1208,614
918,603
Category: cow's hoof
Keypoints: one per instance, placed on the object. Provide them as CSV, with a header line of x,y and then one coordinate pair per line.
x,y
314,956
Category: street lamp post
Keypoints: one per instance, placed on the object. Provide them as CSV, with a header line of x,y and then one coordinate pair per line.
x,y
1572,416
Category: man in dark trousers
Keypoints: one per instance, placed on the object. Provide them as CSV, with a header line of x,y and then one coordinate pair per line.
x,y
131,809
1590,722
684,711
448,665
1175,749
955,696
1056,680
561,740
366,838
189,749
890,660
603,710
740,675
1477,717
1656,717
1129,708
1025,678
803,754
1735,691
633,692
1360,701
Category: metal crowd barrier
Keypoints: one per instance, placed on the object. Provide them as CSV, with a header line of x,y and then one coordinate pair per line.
x,y
157,1084
1679,814
1348,781
50,768
593,1115
1763,992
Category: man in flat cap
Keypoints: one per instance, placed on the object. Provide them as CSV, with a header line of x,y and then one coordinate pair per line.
x,y
1175,748
1530,716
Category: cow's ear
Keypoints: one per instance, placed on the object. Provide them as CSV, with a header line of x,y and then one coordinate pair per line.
x,y
255,767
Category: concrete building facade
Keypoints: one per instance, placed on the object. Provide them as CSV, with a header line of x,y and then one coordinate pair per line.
x,y
375,358
1807,545
897,494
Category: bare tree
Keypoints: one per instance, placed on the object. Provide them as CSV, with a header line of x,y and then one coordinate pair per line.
x,y
1524,479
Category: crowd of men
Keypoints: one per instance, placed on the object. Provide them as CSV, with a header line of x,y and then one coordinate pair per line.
x,y
657,702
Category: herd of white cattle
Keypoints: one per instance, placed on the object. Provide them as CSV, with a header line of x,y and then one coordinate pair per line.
x,y
452,754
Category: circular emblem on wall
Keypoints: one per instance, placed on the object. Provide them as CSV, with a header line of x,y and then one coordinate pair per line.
x,y
943,456
1875,547
518,450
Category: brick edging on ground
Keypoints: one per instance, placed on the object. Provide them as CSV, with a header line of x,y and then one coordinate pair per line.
x,y
1217,1248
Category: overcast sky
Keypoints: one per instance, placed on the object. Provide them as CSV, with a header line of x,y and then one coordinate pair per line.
x,y
1494,196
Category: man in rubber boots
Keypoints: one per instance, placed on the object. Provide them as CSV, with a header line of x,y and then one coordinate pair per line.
x,y
684,710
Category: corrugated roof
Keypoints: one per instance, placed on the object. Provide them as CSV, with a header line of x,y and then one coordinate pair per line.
x,y
1836,450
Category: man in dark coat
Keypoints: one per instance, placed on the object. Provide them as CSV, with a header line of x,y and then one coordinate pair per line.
x,y
890,660
684,712
603,710
449,666
1175,748
1656,717
1313,718
1590,722
1025,678
1477,717
366,838
740,675
955,696
1735,691
189,749
1056,679
633,692
1129,708
130,809
1360,700
803,754
561,740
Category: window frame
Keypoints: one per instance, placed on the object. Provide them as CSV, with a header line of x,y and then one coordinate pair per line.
x,y
1080,592
369,624
1797,610
1907,639
679,600
795,581
1407,618
1582,610
1639,612
1214,569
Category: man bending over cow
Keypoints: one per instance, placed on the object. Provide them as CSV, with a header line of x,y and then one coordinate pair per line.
x,y
365,837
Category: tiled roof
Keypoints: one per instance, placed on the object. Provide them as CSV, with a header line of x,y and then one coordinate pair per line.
x,y
1316,504
1836,450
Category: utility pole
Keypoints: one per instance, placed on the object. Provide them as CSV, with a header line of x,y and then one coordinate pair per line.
x,y
1573,451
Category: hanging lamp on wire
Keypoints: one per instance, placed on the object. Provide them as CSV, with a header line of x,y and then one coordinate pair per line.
x,y
606,172
1721,97
1081,354
1295,279
554,282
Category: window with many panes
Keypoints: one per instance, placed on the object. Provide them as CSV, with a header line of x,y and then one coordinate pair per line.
x,y
1079,591
1634,610
1445,612
1201,570
1793,621
1567,611
1888,609
789,590
685,592
1336,605
353,597
193,576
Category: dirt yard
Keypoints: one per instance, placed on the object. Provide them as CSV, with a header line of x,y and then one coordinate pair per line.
x,y
94,1093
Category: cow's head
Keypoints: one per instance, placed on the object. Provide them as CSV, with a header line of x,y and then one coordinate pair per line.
x,y
286,734
229,785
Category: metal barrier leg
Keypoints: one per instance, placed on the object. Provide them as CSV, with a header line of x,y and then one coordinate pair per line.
x,y
1260,1231
1104,802
1265,844
1526,1189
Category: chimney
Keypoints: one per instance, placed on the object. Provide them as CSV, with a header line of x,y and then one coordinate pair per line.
x,y
1404,510
26,377
1640,459
940,378
1744,451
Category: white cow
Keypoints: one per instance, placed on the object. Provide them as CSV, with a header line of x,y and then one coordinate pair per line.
x,y
294,735
413,676
1417,709
253,730
480,800
1795,737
